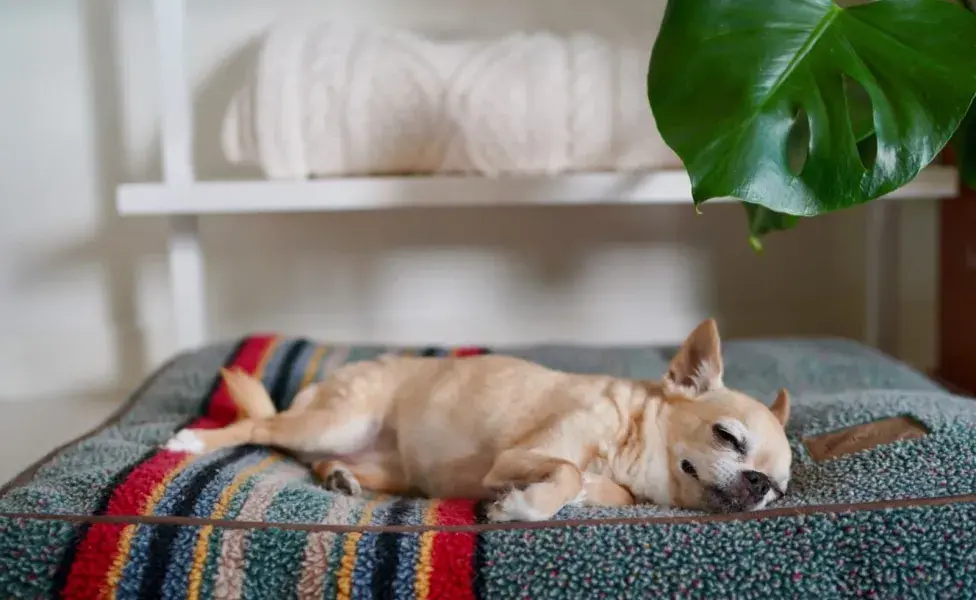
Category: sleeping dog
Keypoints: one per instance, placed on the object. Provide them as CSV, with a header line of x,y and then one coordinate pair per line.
x,y
530,438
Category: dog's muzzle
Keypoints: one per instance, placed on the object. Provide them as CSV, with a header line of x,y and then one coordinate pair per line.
x,y
744,494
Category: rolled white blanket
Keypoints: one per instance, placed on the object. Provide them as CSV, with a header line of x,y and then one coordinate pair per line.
x,y
329,99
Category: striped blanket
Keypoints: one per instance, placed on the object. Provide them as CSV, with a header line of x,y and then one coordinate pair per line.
x,y
116,516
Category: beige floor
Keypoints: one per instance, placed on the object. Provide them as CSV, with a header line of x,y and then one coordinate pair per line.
x,y
30,430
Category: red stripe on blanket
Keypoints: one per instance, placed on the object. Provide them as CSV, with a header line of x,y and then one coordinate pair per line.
x,y
452,572
97,551
465,351
221,411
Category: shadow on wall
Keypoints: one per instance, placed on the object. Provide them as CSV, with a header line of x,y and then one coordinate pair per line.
x,y
209,105
113,243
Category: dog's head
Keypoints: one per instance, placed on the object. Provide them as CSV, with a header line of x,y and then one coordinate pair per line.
x,y
727,452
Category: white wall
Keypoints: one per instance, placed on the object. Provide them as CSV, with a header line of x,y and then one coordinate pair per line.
x,y
83,294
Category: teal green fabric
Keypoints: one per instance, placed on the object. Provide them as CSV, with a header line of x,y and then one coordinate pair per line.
x,y
899,553
923,548
902,553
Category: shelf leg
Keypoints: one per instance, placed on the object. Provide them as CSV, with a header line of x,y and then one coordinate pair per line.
x,y
185,251
187,281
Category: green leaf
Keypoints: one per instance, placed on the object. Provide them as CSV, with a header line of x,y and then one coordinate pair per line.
x,y
730,79
763,221
859,106
966,135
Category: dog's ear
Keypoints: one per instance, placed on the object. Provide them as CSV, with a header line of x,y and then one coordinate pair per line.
x,y
697,367
781,407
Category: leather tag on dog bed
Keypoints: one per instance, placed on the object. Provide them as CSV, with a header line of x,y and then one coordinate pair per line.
x,y
863,437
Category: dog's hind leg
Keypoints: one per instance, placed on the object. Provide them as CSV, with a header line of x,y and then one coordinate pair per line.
x,y
381,473
338,416
322,430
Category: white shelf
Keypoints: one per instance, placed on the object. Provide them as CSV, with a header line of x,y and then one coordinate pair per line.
x,y
378,193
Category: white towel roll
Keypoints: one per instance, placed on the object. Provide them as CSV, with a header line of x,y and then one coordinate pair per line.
x,y
329,100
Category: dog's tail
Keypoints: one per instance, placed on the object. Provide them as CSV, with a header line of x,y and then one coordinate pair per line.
x,y
248,394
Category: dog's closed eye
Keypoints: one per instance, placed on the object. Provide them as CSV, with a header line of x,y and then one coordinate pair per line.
x,y
728,439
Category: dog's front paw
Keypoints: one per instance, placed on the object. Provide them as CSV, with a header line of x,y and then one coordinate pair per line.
x,y
185,440
514,506
341,480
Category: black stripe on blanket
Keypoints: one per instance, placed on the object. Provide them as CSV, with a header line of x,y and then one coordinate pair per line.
x,y
280,387
388,553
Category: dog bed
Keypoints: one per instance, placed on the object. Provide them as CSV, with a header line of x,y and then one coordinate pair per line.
x,y
881,502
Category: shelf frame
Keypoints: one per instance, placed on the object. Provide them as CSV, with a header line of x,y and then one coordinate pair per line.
x,y
183,199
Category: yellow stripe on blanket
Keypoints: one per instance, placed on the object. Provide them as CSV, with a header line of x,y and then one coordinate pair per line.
x,y
114,575
203,537
424,566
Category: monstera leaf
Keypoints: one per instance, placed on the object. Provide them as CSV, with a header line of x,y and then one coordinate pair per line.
x,y
735,84
966,136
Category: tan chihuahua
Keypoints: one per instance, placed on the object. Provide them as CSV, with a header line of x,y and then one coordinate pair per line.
x,y
531,438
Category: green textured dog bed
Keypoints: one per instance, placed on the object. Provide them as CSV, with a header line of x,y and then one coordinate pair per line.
x,y
880,504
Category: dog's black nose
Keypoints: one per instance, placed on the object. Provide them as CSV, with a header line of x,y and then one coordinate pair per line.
x,y
758,483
